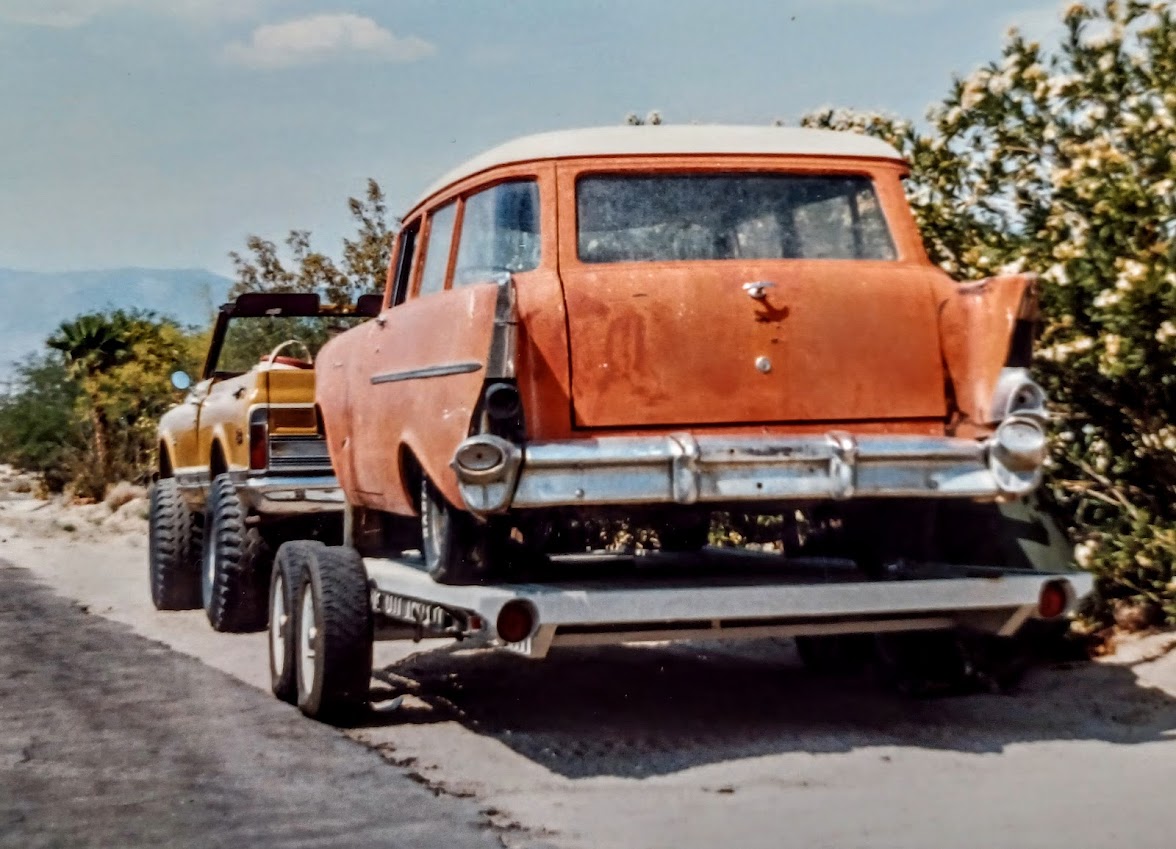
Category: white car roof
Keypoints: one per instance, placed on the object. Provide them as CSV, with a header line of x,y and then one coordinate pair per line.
x,y
681,139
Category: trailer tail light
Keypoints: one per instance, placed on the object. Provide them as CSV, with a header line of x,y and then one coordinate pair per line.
x,y
516,621
258,440
1053,601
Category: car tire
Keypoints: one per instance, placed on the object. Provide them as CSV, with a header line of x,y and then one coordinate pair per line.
x,y
456,548
173,549
237,562
289,566
684,534
334,634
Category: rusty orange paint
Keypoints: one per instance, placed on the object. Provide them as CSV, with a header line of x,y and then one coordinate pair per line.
x,y
976,324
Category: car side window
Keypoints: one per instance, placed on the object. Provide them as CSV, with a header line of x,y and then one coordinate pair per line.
x,y
437,249
405,251
499,232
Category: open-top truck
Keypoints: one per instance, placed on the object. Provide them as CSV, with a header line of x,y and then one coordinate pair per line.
x,y
243,463
648,329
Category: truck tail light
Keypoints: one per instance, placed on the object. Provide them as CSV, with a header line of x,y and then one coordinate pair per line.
x,y
259,439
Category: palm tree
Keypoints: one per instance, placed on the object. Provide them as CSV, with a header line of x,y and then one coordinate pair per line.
x,y
93,344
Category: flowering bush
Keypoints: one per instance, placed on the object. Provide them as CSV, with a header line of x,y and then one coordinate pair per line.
x,y
1063,161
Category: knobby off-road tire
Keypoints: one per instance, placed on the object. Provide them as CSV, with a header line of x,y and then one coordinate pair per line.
x,y
334,628
173,550
289,566
457,549
237,562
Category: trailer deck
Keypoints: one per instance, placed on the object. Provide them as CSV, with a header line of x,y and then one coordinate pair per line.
x,y
605,599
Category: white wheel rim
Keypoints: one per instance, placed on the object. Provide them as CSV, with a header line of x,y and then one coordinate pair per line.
x,y
307,634
278,622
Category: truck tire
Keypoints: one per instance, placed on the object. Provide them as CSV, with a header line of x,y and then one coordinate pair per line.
x,y
334,628
173,550
289,566
456,548
237,563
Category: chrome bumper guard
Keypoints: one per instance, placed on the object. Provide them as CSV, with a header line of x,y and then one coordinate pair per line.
x,y
289,495
685,469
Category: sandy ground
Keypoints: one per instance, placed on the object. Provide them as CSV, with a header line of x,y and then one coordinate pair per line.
x,y
700,745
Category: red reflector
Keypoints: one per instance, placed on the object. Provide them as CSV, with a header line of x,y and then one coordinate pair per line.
x,y
258,445
1053,600
515,621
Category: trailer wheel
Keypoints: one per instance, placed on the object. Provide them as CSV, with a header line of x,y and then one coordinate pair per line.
x,y
334,628
456,548
236,563
283,602
923,664
173,550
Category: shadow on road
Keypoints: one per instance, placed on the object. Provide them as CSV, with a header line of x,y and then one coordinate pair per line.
x,y
637,711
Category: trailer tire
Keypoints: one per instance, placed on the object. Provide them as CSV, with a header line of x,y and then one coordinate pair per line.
x,y
456,548
173,549
924,664
289,566
237,562
334,627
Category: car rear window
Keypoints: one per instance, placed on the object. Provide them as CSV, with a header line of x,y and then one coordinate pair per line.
x,y
623,218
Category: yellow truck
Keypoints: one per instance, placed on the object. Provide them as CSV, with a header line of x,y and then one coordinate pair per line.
x,y
243,464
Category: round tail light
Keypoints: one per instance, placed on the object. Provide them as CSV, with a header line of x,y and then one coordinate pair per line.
x,y
1053,601
516,621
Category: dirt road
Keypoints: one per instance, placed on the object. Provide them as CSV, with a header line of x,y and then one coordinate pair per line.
x,y
108,739
702,746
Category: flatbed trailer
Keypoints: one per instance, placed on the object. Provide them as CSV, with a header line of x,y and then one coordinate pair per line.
x,y
324,629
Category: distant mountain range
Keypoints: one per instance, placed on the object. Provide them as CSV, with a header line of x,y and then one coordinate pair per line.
x,y
34,303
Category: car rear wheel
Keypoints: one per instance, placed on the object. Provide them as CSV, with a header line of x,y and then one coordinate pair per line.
x,y
688,533
457,548
173,547
237,562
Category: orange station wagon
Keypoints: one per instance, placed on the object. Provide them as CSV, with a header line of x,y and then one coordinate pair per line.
x,y
654,323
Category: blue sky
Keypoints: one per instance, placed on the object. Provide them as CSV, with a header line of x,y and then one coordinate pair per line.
x,y
160,132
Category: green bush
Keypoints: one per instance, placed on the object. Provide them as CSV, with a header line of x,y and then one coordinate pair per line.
x,y
1061,161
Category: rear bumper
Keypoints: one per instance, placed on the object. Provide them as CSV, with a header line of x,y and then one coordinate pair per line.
x,y
278,495
685,469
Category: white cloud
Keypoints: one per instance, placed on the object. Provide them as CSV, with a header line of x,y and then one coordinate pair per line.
x,y
72,13
318,38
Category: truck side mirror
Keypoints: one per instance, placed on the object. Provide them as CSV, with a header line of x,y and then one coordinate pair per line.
x,y
180,380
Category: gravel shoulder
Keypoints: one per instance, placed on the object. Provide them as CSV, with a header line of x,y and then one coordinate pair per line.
x,y
698,745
